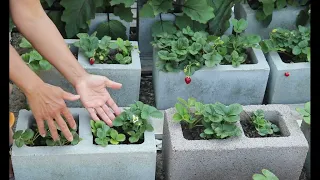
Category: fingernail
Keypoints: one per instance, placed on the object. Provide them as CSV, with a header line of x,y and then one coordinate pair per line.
x,y
74,127
43,135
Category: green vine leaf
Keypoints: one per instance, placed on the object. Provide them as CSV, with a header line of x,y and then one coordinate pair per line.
x,y
185,21
123,12
126,3
198,10
76,15
163,26
112,28
146,11
161,6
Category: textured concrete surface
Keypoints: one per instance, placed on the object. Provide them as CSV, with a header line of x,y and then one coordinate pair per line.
x,y
128,75
145,34
245,84
307,133
288,19
85,160
102,17
293,89
239,157
54,77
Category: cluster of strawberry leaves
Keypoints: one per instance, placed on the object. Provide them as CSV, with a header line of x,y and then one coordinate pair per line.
x,y
263,126
32,58
104,50
305,112
189,51
131,125
295,43
218,120
31,137
266,175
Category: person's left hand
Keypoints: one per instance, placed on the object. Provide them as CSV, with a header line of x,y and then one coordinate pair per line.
x,y
95,97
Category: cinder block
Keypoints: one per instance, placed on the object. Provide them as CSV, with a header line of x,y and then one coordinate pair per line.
x,y
293,89
145,33
284,18
85,160
245,84
103,17
128,75
54,77
237,157
305,128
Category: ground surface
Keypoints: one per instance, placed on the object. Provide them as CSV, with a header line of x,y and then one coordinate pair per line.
x,y
18,102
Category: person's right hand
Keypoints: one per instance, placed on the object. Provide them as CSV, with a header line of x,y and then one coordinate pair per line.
x,y
47,104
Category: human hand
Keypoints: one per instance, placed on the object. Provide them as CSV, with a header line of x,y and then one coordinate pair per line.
x,y
95,97
47,104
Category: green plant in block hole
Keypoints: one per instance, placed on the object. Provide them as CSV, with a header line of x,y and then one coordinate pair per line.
x,y
305,112
266,175
263,126
128,128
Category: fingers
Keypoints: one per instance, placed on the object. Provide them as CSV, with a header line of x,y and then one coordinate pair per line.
x,y
106,109
93,114
104,116
112,84
64,128
53,129
113,106
40,124
67,114
70,97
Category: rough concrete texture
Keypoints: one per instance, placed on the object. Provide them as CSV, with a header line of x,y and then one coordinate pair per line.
x,y
305,128
85,160
293,89
157,126
54,77
145,34
235,158
128,75
245,84
102,17
288,19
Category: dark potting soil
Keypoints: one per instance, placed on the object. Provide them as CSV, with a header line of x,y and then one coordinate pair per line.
x,y
286,58
191,134
251,132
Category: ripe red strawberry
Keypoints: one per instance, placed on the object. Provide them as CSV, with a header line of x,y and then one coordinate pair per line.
x,y
187,80
91,61
287,74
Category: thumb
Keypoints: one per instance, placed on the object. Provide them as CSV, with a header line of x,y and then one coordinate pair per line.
x,y
112,84
70,97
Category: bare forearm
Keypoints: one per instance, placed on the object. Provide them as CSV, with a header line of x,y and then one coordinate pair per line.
x,y
36,26
19,72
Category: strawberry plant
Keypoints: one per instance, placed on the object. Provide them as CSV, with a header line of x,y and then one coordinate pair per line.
x,y
293,46
32,58
216,121
305,112
266,175
189,51
263,126
199,15
73,16
105,50
31,137
129,126
264,9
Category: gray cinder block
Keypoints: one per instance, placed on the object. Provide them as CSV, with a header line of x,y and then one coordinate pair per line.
x,y
128,75
305,128
245,84
284,18
85,160
293,89
238,157
102,17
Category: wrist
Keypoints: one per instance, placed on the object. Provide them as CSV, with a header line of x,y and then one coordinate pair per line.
x,y
78,78
32,86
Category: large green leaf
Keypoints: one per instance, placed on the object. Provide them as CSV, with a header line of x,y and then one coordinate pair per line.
x,y
76,15
268,8
198,10
126,3
146,11
163,26
185,21
123,12
113,28
161,6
